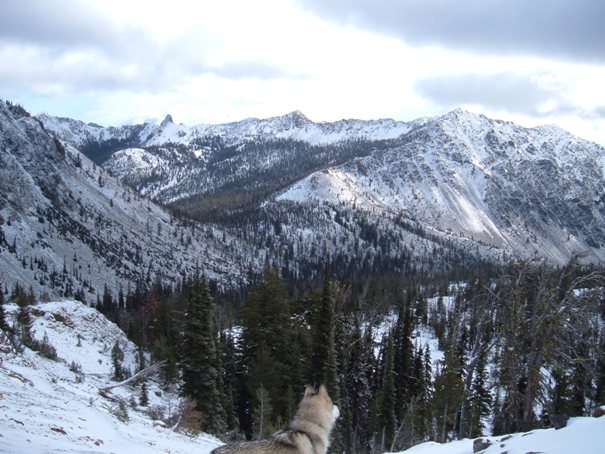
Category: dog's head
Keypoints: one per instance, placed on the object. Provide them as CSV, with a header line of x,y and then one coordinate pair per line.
x,y
318,404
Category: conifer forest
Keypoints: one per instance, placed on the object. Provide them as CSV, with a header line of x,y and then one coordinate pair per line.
x,y
406,360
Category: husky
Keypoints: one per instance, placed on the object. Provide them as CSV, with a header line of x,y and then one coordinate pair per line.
x,y
308,432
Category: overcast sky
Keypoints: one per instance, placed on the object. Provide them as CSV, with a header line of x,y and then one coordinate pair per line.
x,y
123,61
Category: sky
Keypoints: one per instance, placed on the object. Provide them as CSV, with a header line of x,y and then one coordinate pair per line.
x,y
213,61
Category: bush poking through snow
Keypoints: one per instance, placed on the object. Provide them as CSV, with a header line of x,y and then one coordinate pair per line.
x,y
46,349
190,418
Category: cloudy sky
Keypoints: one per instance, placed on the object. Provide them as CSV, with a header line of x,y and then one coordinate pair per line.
x,y
212,61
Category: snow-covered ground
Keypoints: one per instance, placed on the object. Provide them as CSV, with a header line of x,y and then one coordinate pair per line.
x,y
46,407
585,435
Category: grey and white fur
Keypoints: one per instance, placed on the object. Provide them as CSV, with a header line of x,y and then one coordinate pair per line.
x,y
308,432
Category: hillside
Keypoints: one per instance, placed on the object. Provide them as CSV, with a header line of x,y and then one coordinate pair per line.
x,y
435,195
528,192
51,406
67,227
54,405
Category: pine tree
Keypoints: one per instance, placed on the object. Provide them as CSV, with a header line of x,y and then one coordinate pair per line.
x,y
388,398
165,344
323,356
3,323
117,356
230,378
267,338
144,397
448,396
357,380
200,372
24,321
480,400
403,357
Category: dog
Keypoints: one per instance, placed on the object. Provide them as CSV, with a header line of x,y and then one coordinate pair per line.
x,y
308,433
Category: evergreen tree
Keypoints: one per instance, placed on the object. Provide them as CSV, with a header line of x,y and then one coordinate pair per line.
x,y
144,397
166,338
267,339
24,321
200,371
117,356
388,398
448,396
230,379
415,423
480,400
3,323
403,357
323,356
357,380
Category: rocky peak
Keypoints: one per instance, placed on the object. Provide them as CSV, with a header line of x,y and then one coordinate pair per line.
x,y
167,120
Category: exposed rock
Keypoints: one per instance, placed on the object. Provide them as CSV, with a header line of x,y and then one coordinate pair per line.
x,y
481,444
558,421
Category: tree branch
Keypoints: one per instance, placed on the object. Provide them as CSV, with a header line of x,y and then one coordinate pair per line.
x,y
141,374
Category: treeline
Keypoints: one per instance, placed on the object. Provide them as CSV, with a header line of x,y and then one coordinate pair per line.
x,y
517,351
520,350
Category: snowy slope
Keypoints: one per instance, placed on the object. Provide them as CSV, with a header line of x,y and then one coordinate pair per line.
x,y
66,225
584,435
526,191
48,408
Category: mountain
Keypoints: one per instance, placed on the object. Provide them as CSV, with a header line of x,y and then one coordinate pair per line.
x,y
526,192
530,192
210,162
438,194
67,227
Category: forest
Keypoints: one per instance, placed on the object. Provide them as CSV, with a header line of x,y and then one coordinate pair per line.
x,y
406,360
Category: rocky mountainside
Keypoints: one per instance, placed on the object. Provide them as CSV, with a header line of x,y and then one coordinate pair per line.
x,y
367,197
537,192
67,227
530,192
228,166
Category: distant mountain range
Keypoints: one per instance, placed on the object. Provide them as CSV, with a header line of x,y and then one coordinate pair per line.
x,y
365,196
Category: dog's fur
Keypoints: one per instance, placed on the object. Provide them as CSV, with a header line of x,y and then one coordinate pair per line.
x,y
308,432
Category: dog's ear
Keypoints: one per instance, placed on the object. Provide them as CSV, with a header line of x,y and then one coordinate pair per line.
x,y
322,390
310,391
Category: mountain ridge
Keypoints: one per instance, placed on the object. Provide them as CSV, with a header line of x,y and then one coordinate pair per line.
x,y
469,172
450,192
460,173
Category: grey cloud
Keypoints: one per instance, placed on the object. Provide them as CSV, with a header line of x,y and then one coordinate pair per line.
x,y
518,94
57,24
569,29
122,57
599,112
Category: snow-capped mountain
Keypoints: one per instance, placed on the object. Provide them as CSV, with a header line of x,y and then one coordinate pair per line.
x,y
68,227
367,196
527,192
292,126
538,191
